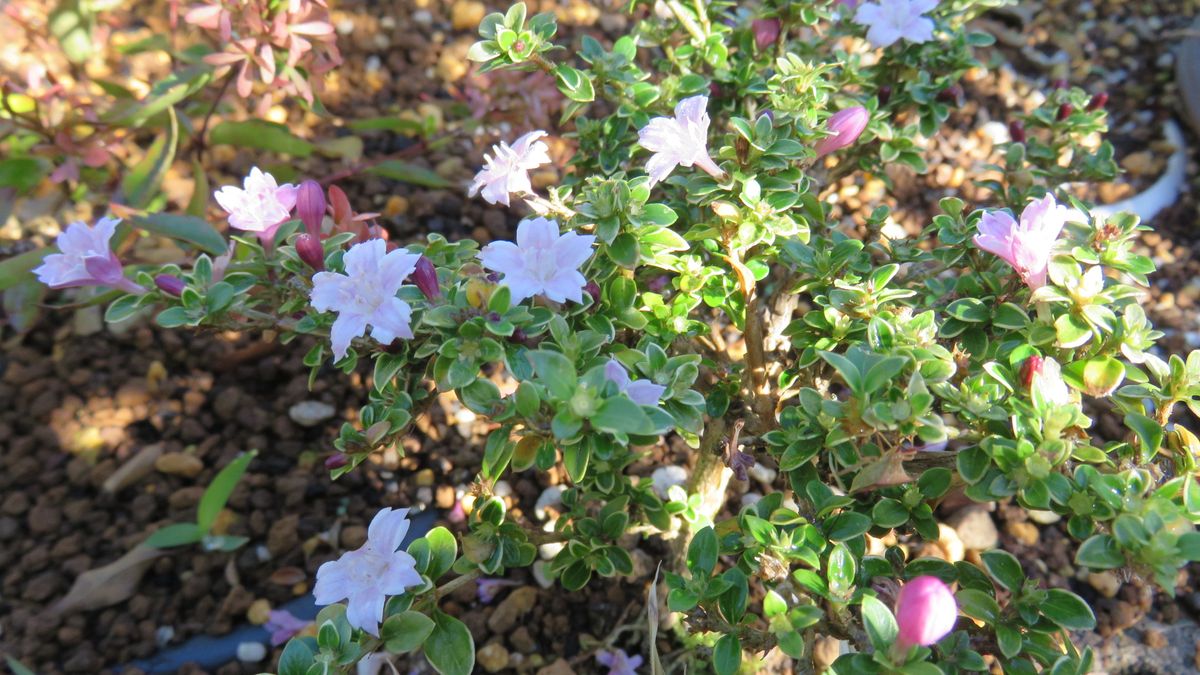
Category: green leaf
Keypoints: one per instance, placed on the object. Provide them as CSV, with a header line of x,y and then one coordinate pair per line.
x,y
556,371
17,667
575,460
620,415
1067,610
1004,568
971,310
164,95
727,655
71,26
1099,552
405,631
527,399
978,605
16,269
702,553
179,534
1149,433
1095,377
20,173
450,647
190,229
889,513
261,135
297,657
218,491
879,622
141,183
846,525
408,173
443,549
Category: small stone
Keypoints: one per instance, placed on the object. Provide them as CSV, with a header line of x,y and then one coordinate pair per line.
x,y
493,657
282,536
1140,163
353,536
1025,532
467,14
1106,583
445,497
559,667
251,652
1154,638
422,17
549,497
311,413
1043,517
259,612
975,528
179,464
163,636
510,611
763,474
424,478
395,206
452,64
44,519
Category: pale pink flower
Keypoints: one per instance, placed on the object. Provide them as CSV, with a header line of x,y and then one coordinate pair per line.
x,y
888,21
618,662
367,576
366,295
1026,245
86,259
542,262
925,611
487,589
1043,375
641,392
261,206
506,171
844,126
283,625
681,140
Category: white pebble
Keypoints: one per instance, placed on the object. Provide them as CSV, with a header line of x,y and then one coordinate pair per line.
x,y
251,652
262,553
549,497
763,474
422,17
373,64
345,26
311,413
996,131
164,635
666,476
502,489
540,575
750,499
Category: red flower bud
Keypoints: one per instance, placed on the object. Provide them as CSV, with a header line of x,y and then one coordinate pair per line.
x,y
592,289
1098,101
336,461
308,247
1031,367
171,285
884,94
1064,111
766,32
425,277
952,94
1016,129
846,126
310,206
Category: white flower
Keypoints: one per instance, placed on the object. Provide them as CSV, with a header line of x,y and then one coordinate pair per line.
x,y
367,576
85,259
366,294
1048,382
679,141
641,392
890,20
261,206
508,170
542,262
665,477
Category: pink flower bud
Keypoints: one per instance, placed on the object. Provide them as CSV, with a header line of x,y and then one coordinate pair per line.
x,y
170,285
308,247
592,289
1098,101
884,94
310,206
925,611
1029,368
1064,111
1016,130
845,127
766,32
336,461
425,277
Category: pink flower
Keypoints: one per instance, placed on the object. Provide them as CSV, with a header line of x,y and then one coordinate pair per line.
x,y
507,170
888,21
925,611
542,262
679,141
366,294
487,589
367,576
766,32
845,126
85,259
260,206
1043,376
641,392
1027,245
618,662
282,625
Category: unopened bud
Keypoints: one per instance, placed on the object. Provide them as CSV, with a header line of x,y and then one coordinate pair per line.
x,y
592,289
310,206
884,94
1016,130
336,461
1098,101
926,611
425,277
766,32
310,250
952,94
171,285
1029,368
845,126
1064,111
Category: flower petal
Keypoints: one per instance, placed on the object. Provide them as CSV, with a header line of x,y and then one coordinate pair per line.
x,y
387,529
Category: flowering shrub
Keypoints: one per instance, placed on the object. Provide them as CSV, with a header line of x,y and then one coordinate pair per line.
x,y
879,375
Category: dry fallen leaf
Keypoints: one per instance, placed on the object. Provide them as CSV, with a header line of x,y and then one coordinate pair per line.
x,y
288,576
134,469
108,585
